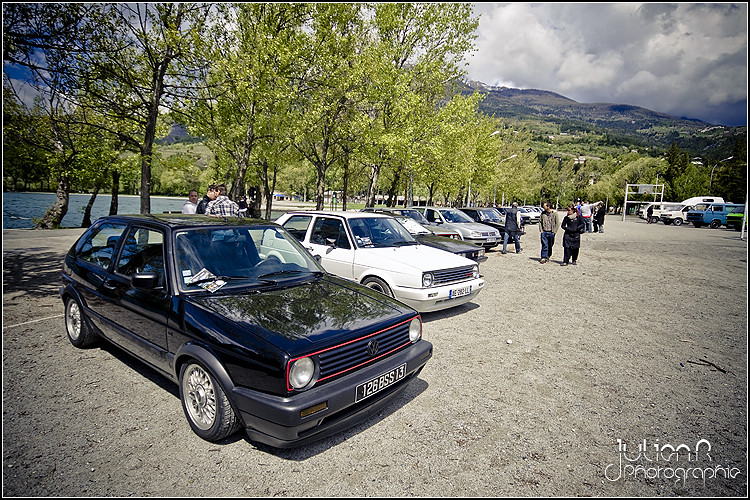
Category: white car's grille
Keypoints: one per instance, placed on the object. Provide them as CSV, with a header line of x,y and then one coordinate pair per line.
x,y
455,275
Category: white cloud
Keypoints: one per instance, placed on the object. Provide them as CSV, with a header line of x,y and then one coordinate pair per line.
x,y
681,59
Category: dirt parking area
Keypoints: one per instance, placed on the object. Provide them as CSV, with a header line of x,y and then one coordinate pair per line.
x,y
555,381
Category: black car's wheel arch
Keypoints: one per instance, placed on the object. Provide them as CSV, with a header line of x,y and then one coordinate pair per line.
x,y
191,352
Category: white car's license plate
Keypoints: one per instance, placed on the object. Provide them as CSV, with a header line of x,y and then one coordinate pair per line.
x,y
491,240
459,292
379,383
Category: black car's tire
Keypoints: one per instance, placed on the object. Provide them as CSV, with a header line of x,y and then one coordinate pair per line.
x,y
378,285
79,332
205,404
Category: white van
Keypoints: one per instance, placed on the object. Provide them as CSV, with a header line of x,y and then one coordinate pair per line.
x,y
706,200
659,208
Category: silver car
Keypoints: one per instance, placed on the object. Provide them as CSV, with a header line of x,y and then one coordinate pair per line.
x,y
452,218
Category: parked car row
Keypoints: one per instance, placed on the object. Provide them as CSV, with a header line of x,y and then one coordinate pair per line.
x,y
290,331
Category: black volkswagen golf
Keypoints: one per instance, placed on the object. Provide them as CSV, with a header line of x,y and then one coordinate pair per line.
x,y
252,329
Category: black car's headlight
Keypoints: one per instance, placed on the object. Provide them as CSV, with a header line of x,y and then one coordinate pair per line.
x,y
301,372
415,329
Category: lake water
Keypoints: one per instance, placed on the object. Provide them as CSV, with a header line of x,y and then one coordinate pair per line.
x,y
20,209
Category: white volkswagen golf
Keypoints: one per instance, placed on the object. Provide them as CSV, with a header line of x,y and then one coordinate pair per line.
x,y
377,251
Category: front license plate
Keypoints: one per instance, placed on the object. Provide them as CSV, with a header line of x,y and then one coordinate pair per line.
x,y
459,292
379,383
491,240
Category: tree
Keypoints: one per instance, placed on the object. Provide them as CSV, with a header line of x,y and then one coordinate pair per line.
x,y
416,50
112,60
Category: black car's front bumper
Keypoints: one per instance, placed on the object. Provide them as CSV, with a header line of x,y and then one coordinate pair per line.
x,y
277,421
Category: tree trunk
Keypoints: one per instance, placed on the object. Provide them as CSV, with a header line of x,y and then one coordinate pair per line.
x,y
113,206
373,191
87,213
54,215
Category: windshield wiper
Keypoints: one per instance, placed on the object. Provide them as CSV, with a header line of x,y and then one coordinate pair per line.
x,y
275,273
405,243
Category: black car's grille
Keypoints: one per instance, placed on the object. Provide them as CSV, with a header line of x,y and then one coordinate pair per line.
x,y
352,355
447,276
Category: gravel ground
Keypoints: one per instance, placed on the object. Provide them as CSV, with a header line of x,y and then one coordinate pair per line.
x,y
534,388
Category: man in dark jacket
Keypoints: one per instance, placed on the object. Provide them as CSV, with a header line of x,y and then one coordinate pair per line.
x,y
512,228
201,209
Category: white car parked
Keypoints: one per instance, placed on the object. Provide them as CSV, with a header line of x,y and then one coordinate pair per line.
x,y
378,252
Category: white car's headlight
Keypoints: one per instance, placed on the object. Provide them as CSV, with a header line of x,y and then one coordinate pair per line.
x,y
427,280
415,329
476,234
301,372
476,271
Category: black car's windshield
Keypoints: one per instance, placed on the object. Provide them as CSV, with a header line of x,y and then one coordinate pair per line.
x,y
380,232
491,215
214,258
455,216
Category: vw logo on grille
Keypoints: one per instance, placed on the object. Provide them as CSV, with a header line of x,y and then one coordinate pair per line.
x,y
372,347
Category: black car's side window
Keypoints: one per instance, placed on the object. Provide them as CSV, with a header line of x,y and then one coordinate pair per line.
x,y
143,252
100,247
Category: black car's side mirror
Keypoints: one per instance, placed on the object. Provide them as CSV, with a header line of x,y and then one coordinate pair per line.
x,y
147,281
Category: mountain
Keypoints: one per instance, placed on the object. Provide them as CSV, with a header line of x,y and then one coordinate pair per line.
x,y
621,122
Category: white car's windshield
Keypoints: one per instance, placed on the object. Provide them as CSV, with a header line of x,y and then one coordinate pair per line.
x,y
455,216
380,232
214,257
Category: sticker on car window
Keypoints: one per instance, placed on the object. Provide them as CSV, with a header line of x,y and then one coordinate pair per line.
x,y
207,280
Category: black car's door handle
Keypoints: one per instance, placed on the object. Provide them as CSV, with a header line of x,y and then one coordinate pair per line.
x,y
108,285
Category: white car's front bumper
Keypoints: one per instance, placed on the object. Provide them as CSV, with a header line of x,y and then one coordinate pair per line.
x,y
439,297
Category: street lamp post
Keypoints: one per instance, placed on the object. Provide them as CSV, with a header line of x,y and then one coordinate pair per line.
x,y
711,180
494,197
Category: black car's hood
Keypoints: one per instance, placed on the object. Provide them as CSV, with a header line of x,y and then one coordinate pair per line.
x,y
306,316
449,244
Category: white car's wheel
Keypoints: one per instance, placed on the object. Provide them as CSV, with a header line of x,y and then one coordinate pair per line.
x,y
378,285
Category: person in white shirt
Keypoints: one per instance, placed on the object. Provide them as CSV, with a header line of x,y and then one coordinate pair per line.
x,y
587,212
191,203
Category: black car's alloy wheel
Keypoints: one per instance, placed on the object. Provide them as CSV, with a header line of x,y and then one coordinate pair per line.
x,y
79,333
205,404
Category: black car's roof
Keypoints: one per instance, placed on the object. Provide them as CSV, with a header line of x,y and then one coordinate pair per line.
x,y
176,221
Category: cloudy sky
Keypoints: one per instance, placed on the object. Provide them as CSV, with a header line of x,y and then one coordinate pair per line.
x,y
684,59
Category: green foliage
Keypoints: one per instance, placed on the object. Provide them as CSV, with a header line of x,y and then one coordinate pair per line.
x,y
307,98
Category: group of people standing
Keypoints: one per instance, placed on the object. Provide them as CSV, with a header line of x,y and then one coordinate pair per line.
x,y
580,218
215,203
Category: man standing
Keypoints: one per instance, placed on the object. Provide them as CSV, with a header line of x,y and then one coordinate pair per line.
x,y
191,204
587,212
221,206
207,198
547,227
512,228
